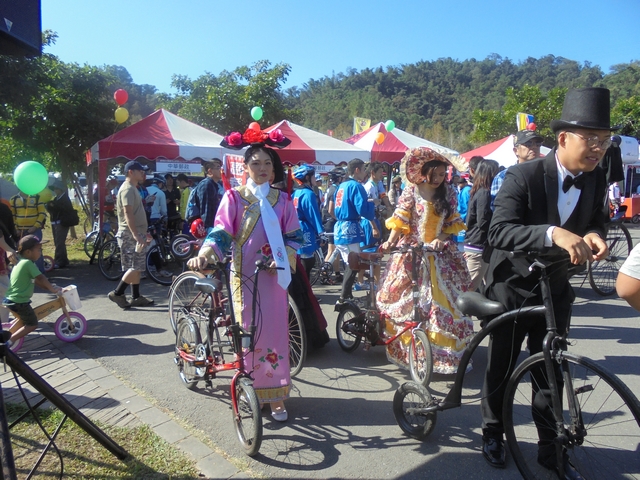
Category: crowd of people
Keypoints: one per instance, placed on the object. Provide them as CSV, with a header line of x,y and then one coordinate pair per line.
x,y
535,204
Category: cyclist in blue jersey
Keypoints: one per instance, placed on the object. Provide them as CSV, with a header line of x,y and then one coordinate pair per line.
x,y
351,204
306,203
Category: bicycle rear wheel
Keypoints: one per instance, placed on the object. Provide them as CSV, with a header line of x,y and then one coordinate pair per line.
x,y
420,358
109,260
603,273
408,398
187,340
163,266
248,421
184,298
602,431
297,339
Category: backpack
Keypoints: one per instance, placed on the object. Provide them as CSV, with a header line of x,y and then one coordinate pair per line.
x,y
193,206
69,218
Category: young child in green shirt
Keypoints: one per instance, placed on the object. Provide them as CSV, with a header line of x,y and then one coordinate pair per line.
x,y
24,276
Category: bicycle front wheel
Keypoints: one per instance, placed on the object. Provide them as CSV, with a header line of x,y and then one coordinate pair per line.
x,y
601,419
248,420
187,340
603,273
348,326
109,260
314,274
407,401
297,339
185,298
420,359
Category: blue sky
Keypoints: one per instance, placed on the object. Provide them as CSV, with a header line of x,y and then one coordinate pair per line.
x,y
154,39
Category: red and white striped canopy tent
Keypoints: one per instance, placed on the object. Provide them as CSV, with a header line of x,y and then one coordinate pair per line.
x,y
395,144
501,151
309,146
161,135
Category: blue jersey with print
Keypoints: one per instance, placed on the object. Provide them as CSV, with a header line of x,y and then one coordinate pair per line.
x,y
306,203
351,203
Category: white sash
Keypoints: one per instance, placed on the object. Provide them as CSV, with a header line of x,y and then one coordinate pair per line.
x,y
273,231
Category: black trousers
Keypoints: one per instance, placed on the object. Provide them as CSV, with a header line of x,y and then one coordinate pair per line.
x,y
59,240
504,349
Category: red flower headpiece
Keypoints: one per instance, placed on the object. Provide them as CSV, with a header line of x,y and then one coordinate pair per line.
x,y
237,140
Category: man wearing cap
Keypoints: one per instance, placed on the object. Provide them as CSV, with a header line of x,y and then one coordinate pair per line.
x,y
526,146
208,193
59,209
557,201
132,237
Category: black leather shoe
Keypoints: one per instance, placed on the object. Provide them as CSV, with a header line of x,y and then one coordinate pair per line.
x,y
493,451
569,471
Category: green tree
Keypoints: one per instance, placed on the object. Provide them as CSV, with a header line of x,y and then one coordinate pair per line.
x,y
492,125
63,109
223,103
626,113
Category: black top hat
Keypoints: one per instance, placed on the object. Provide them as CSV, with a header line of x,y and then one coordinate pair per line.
x,y
588,108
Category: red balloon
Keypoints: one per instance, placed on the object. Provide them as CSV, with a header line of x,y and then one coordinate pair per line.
x,y
121,96
532,126
254,126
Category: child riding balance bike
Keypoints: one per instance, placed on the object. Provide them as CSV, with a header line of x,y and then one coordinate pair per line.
x,y
25,275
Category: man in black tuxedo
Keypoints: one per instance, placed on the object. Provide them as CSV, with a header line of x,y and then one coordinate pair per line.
x,y
556,200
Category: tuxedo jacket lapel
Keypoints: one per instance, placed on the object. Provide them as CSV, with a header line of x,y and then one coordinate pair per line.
x,y
551,187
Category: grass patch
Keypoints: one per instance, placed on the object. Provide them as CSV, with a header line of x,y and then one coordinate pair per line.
x,y
150,457
75,246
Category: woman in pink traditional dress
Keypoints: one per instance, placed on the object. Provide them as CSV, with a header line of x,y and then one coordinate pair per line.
x,y
240,228
426,213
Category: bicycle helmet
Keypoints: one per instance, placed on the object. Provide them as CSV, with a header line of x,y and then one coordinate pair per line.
x,y
198,229
336,174
303,171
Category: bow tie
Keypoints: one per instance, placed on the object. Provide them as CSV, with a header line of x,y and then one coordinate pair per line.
x,y
570,181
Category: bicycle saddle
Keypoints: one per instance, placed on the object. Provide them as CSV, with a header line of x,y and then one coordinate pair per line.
x,y
209,285
361,261
473,303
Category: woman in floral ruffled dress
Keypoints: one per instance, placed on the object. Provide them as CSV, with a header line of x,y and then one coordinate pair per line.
x,y
426,213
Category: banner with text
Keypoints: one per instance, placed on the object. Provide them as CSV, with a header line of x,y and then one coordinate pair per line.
x,y
179,166
233,168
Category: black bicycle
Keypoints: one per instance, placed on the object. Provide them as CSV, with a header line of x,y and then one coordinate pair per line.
x,y
597,418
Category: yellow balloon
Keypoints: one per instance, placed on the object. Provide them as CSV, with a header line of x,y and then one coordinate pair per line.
x,y
122,114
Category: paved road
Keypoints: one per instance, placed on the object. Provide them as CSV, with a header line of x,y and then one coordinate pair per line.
x,y
341,424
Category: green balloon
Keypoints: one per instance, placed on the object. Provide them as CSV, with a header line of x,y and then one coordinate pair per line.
x,y
389,125
31,177
256,113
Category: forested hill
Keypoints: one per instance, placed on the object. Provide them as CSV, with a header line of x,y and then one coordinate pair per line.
x,y
436,99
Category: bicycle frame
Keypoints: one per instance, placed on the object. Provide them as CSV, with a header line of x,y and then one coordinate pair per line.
x,y
241,339
373,306
45,310
552,341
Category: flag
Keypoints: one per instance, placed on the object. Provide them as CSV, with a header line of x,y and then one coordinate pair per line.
x,y
360,124
330,133
522,120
